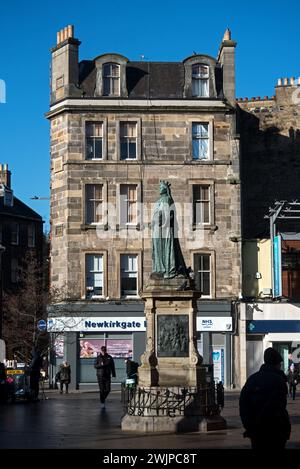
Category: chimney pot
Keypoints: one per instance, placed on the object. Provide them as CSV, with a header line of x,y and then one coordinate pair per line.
x,y
58,40
266,97
279,82
299,81
292,81
285,81
227,35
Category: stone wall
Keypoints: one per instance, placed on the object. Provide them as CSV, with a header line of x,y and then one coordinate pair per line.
x,y
270,156
165,143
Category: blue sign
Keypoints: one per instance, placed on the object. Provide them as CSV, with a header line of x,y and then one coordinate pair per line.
x,y
42,325
277,266
266,326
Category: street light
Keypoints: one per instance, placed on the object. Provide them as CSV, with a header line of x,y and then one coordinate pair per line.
x,y
2,249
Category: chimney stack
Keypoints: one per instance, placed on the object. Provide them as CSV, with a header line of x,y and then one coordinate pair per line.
x,y
64,67
226,58
5,175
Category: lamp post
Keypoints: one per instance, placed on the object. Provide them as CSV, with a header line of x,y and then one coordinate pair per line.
x,y
2,249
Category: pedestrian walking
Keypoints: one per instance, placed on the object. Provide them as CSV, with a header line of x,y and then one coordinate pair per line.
x,y
131,369
64,376
292,378
34,373
263,403
105,367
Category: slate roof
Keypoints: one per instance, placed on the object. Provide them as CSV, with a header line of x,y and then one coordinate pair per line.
x,y
19,209
145,80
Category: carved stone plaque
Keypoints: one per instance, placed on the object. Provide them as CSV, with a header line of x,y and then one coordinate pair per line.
x,y
172,335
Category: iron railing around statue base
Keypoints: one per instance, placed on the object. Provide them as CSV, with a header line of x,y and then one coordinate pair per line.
x,y
174,401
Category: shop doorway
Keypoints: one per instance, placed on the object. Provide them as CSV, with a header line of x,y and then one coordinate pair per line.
x,y
284,348
255,353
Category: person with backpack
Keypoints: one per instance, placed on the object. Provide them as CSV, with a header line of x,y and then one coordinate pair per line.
x,y
263,402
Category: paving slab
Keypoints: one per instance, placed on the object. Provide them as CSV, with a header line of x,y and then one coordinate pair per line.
x,y
76,421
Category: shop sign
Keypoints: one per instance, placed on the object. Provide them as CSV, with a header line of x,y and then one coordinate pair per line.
x,y
214,324
277,268
93,324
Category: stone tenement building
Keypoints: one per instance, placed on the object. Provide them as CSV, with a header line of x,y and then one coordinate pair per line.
x,y
21,235
118,127
270,172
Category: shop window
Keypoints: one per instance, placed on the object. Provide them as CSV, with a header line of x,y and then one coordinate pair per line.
x,y
129,275
94,276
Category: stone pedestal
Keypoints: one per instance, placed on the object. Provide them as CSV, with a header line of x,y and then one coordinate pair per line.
x,y
172,393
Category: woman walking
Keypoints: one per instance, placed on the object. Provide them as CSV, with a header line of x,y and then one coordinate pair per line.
x,y
64,376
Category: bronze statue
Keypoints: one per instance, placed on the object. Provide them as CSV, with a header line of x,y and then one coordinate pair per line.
x,y
167,257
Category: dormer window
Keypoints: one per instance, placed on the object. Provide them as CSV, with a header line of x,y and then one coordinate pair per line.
x,y
111,79
200,77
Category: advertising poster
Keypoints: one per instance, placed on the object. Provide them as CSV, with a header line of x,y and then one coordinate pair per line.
x,y
59,347
119,348
218,361
90,348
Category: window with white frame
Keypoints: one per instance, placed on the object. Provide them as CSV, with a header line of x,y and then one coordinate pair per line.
x,y
93,203
14,227
111,79
94,140
200,83
31,235
128,140
201,204
200,135
129,275
128,204
202,269
14,270
94,276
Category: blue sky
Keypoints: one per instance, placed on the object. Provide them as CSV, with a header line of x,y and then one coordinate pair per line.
x,y
266,31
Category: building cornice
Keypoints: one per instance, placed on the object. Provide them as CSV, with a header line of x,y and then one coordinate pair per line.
x,y
139,105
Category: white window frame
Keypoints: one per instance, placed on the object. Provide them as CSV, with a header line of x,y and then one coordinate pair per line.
x,y
199,79
200,137
94,137
31,235
129,204
201,202
94,200
203,271
130,293
15,241
128,138
110,78
93,272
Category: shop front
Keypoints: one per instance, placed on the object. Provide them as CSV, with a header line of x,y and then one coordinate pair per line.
x,y
272,325
78,338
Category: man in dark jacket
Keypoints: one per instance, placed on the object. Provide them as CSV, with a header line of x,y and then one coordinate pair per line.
x,y
105,367
35,370
263,405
